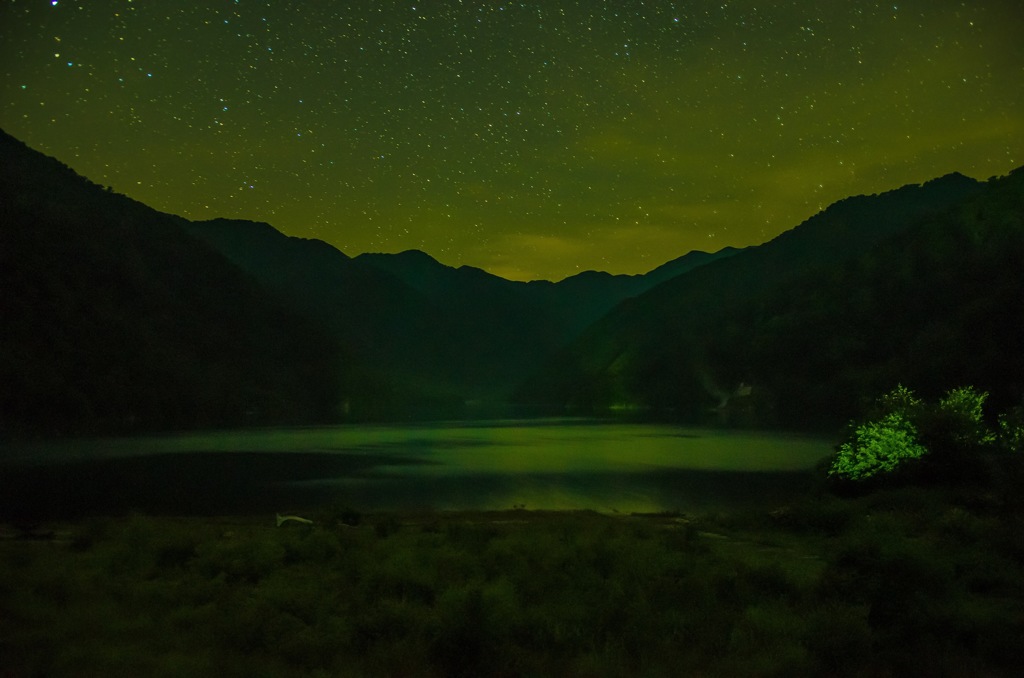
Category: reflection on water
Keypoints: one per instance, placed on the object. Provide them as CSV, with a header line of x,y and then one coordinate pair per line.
x,y
549,464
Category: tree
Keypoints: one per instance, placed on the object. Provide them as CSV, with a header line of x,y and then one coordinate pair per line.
x,y
901,400
961,418
877,447
951,438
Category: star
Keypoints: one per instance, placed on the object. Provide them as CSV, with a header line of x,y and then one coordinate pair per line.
x,y
519,137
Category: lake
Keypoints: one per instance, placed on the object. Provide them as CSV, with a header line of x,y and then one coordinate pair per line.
x,y
478,465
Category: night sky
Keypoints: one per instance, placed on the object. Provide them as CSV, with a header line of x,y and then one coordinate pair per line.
x,y
533,140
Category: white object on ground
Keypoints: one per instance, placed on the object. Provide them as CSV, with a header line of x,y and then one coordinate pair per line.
x,y
283,519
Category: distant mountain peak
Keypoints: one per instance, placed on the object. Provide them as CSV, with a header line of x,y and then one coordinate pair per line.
x,y
416,254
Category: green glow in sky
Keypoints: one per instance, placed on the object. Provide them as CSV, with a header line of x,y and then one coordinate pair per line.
x,y
534,139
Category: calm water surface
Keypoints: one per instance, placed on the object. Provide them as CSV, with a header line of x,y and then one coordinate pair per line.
x,y
545,464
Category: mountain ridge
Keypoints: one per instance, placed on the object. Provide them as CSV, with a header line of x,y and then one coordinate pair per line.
x,y
451,334
376,334
684,345
115,319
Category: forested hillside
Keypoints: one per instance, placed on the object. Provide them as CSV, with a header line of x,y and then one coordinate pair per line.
x,y
115,319
938,306
920,284
120,318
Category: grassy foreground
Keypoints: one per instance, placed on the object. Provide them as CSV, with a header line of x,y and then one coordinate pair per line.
x,y
903,582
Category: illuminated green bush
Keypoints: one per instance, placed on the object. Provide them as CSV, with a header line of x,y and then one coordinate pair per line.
x,y
961,419
951,436
901,400
1011,430
877,447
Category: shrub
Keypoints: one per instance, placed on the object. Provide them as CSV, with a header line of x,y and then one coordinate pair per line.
x,y
955,433
1011,430
840,639
766,639
951,438
901,400
240,559
311,546
958,422
877,447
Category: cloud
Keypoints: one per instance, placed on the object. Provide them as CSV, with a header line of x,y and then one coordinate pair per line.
x,y
601,246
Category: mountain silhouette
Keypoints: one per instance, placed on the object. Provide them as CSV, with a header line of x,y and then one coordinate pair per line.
x,y
872,291
937,306
120,318
499,329
568,305
422,332
114,318
383,326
